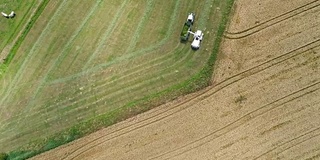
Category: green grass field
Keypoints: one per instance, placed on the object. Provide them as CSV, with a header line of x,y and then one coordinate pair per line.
x,y
97,62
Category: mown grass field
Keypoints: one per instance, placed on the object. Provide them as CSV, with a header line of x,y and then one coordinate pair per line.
x,y
88,64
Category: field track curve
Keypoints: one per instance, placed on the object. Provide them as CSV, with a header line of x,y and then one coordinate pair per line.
x,y
273,21
103,84
300,139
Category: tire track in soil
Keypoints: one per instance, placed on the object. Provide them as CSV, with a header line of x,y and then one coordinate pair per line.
x,y
272,21
274,18
207,93
242,120
315,136
296,141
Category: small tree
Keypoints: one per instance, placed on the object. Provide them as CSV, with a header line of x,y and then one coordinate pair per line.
x,y
3,156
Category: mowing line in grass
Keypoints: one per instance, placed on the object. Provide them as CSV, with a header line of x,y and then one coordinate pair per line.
x,y
141,25
110,81
118,89
169,33
135,86
204,18
152,62
107,34
72,94
125,57
148,53
139,80
102,85
75,57
19,74
64,52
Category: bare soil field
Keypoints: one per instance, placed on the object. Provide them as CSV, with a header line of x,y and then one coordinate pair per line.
x,y
264,102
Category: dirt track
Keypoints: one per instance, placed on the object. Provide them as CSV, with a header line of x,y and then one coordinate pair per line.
x,y
264,103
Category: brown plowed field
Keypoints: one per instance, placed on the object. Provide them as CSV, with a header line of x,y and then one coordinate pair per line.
x,y
264,102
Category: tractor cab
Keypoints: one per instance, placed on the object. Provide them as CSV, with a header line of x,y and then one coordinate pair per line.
x,y
191,18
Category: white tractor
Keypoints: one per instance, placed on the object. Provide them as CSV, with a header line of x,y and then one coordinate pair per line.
x,y
197,38
191,18
11,15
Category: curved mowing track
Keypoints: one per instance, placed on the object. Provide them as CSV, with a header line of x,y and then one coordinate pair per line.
x,y
143,67
126,57
102,82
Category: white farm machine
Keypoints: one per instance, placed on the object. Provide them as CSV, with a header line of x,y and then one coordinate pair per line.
x,y
11,15
197,36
